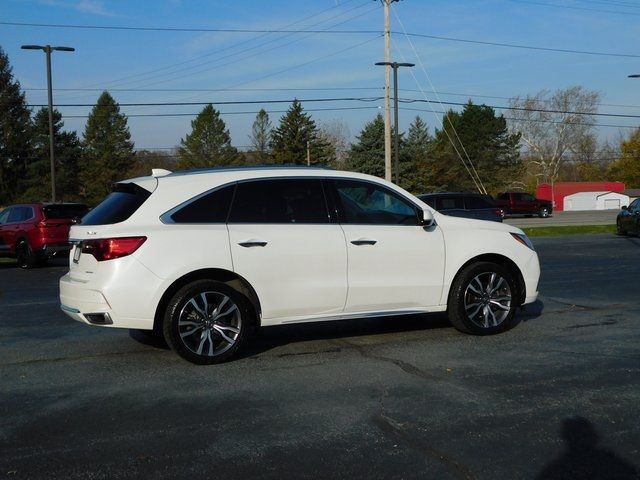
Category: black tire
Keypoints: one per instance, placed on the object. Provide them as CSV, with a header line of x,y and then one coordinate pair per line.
x,y
181,314
25,256
619,230
461,298
543,212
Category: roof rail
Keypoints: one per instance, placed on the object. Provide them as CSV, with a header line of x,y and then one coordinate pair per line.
x,y
232,168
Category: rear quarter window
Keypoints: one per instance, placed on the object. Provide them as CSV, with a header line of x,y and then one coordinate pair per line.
x,y
118,206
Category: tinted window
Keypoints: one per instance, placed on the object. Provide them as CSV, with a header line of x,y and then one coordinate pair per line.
x,y
65,211
20,214
368,203
428,200
210,208
449,203
4,215
503,196
475,203
279,201
527,198
118,206
635,205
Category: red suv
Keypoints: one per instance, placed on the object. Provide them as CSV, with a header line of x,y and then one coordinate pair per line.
x,y
34,232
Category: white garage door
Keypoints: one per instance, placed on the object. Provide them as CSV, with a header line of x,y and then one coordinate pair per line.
x,y
612,204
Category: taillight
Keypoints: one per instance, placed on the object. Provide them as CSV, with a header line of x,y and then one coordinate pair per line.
x,y
42,224
499,212
110,248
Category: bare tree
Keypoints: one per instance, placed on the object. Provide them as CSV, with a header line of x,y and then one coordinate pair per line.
x,y
554,126
260,135
336,133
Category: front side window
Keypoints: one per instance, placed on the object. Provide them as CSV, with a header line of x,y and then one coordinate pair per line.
x,y
4,216
635,205
370,204
210,208
293,200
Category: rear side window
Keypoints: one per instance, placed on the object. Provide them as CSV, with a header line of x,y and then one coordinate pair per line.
x,y
64,211
476,203
125,199
449,203
279,201
210,208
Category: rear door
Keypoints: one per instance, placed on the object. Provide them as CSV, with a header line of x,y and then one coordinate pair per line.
x,y
393,262
4,231
451,205
286,245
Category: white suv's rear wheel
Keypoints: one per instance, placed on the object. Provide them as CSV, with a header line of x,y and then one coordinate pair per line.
x,y
205,322
483,299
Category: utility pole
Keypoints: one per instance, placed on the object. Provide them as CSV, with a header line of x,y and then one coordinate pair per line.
x,y
387,80
308,154
396,139
47,50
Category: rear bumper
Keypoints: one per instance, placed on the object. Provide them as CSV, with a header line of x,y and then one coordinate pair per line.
x,y
89,305
53,249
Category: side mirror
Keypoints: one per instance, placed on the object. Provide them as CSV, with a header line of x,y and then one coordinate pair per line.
x,y
624,207
426,218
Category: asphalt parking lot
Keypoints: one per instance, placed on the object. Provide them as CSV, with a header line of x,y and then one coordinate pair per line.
x,y
555,398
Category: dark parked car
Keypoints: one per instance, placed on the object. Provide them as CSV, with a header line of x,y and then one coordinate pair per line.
x,y
628,220
34,232
467,205
518,203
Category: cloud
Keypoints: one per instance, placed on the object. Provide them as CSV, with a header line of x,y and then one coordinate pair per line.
x,y
93,7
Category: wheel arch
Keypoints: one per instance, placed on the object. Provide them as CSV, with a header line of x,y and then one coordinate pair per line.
x,y
228,277
506,262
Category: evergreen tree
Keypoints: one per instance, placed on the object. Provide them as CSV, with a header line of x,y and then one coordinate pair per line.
x,y
260,137
208,144
415,170
289,140
15,134
367,154
487,142
67,156
108,149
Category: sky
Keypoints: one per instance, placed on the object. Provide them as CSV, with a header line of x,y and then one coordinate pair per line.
x,y
177,66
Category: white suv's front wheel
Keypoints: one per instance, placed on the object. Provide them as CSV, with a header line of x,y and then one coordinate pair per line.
x,y
205,322
483,299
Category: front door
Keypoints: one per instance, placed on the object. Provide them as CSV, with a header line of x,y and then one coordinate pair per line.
x,y
394,262
285,244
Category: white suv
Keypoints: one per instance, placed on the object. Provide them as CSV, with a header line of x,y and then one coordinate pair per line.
x,y
202,257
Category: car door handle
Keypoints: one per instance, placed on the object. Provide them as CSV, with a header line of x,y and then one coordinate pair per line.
x,y
253,243
364,241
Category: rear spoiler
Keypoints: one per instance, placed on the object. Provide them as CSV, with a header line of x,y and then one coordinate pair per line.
x,y
149,183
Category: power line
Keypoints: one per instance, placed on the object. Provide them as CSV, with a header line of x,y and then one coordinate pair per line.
x,y
296,89
334,32
338,99
569,7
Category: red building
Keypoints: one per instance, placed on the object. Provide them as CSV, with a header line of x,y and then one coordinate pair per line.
x,y
556,194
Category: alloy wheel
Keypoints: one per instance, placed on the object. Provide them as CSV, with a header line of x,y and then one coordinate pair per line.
x,y
209,323
487,300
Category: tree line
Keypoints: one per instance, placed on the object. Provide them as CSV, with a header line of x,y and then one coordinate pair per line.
x,y
543,140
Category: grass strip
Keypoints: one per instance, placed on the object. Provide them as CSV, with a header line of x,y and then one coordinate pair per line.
x,y
568,230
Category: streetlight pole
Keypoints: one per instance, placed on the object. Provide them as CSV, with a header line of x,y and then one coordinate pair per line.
x,y
47,50
396,140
